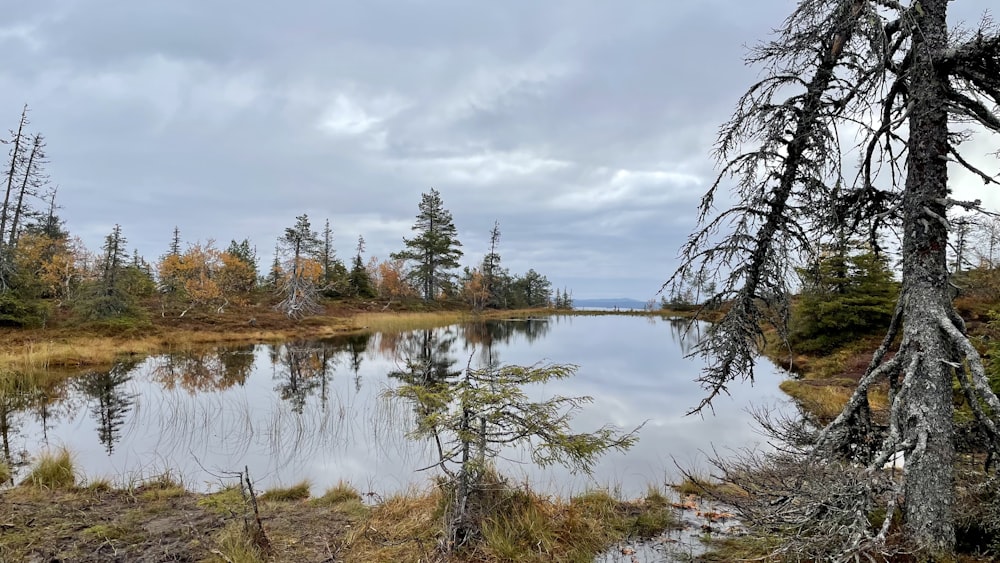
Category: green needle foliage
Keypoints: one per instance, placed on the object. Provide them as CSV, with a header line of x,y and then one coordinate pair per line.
x,y
434,251
845,296
471,419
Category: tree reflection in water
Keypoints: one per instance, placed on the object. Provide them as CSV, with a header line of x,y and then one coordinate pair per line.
x,y
685,332
206,369
112,400
312,410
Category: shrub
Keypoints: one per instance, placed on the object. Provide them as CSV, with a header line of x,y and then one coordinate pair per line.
x,y
845,297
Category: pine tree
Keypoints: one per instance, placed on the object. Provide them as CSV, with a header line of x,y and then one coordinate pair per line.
x,y
435,249
472,416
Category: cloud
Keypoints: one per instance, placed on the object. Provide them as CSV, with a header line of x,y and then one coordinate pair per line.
x,y
585,128
499,87
480,168
629,188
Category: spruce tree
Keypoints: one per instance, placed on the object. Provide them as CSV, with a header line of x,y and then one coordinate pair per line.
x,y
845,296
434,251
359,282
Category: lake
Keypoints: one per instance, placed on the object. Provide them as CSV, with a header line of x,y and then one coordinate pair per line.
x,y
317,410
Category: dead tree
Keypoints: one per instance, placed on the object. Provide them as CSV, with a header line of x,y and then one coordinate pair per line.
x,y
900,77
32,179
18,145
299,290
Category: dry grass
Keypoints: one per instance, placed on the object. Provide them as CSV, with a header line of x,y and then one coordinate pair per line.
x,y
53,470
299,491
520,526
234,545
397,322
824,399
5,474
404,527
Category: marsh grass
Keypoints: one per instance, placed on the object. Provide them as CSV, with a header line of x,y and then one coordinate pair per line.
x,y
704,487
100,485
825,399
396,322
403,528
42,350
234,545
224,502
106,532
6,474
339,493
521,525
53,470
299,491
695,485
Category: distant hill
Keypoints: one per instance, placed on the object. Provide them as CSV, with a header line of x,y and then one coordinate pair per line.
x,y
621,303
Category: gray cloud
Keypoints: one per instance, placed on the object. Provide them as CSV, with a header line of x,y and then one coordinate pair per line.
x,y
585,128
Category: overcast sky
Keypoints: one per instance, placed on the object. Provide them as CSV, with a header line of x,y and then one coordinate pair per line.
x,y
583,127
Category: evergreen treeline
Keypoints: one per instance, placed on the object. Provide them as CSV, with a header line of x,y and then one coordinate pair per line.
x,y
45,272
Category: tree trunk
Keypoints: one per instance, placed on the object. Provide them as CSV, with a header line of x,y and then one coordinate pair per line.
x,y
15,157
925,395
29,172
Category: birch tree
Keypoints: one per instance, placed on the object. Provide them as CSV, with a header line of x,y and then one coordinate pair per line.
x,y
908,84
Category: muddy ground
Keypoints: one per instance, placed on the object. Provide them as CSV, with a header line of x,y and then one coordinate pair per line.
x,y
155,523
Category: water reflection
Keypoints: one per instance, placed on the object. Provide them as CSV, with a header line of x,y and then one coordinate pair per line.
x,y
301,369
110,399
686,333
29,400
205,370
315,409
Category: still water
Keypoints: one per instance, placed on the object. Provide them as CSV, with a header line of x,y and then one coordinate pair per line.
x,y
317,410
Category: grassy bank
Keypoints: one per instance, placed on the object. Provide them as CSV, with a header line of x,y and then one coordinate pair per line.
x,y
55,515
73,347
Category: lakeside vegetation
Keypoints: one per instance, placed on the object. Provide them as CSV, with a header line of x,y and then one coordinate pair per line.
x,y
79,520
835,324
